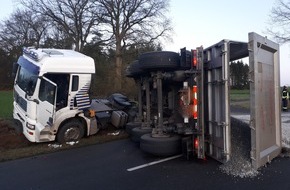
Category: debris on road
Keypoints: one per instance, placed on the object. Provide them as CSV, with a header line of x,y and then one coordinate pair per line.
x,y
114,133
240,163
55,145
72,143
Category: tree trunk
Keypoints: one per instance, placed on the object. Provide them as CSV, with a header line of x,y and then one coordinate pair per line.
x,y
77,43
118,68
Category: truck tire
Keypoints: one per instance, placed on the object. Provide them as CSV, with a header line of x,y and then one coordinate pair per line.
x,y
134,70
161,146
70,131
131,125
137,132
161,60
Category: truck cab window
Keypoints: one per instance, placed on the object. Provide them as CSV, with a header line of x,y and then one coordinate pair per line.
x,y
47,92
62,82
26,80
75,83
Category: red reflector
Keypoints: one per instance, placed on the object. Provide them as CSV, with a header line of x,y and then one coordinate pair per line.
x,y
196,143
30,133
195,115
194,58
194,89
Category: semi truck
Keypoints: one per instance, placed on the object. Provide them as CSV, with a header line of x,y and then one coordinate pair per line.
x,y
51,97
183,99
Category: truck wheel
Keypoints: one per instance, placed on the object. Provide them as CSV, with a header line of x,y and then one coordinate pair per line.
x,y
161,146
132,125
137,132
71,131
162,60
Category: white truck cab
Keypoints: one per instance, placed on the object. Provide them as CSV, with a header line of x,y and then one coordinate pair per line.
x,y
51,93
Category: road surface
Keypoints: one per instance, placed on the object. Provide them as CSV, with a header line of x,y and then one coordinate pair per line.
x,y
105,166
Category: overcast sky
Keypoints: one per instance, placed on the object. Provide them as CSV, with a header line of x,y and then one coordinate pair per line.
x,y
206,22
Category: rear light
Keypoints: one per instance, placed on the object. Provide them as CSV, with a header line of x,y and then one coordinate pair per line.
x,y
196,143
194,58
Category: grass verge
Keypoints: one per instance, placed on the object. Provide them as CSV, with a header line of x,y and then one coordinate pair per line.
x,y
6,103
240,98
239,95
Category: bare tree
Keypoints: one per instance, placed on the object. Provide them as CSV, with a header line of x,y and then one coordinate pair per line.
x,y
57,39
280,21
76,18
23,28
132,22
38,27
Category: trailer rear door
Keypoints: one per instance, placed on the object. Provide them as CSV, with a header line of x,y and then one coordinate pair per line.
x,y
265,99
216,101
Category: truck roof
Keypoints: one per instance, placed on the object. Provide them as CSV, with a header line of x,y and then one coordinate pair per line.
x,y
59,60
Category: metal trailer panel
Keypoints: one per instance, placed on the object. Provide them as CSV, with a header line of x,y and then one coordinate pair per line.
x,y
265,100
200,98
217,121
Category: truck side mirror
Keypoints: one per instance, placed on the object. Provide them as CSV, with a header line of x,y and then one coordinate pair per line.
x,y
29,99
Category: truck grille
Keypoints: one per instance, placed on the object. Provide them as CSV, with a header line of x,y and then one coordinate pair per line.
x,y
20,101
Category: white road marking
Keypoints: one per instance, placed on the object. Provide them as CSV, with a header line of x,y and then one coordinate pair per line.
x,y
153,163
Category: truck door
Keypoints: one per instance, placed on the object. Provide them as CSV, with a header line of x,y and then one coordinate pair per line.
x,y
216,101
265,116
47,101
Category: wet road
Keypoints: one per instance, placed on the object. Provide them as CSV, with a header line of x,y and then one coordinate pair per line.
x,y
105,166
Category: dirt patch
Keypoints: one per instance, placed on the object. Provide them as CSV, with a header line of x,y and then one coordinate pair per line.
x,y
10,138
14,145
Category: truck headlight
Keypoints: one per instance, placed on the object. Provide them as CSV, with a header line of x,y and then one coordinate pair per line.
x,y
30,126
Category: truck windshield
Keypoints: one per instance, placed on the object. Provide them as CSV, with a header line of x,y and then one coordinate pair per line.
x,y
26,80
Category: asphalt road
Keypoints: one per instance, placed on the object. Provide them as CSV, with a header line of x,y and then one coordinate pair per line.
x,y
105,166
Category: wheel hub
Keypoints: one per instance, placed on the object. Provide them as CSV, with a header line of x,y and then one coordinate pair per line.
x,y
71,134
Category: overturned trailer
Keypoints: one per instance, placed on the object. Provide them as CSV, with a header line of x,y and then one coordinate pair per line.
x,y
184,102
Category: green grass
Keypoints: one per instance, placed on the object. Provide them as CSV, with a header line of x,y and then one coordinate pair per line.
x,y
240,98
239,95
6,104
